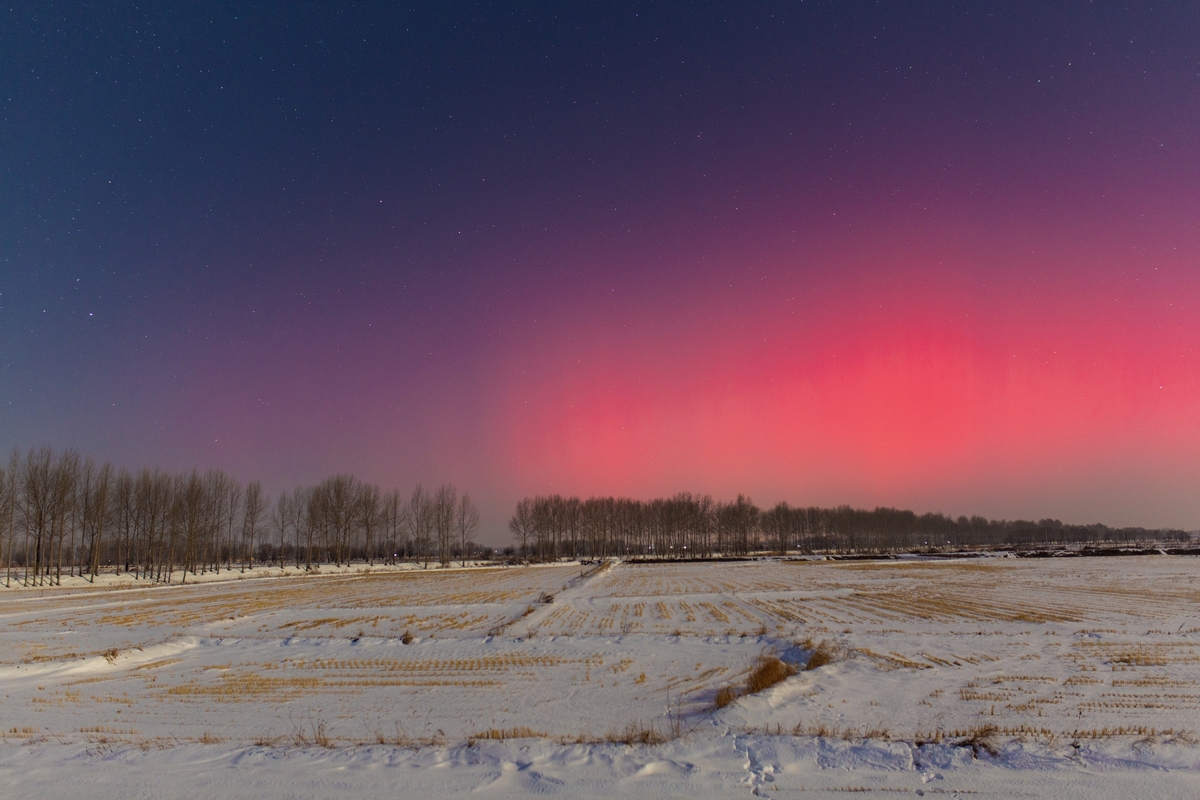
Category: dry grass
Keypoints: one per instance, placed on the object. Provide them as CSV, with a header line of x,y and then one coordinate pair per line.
x,y
822,731
309,732
230,602
822,653
982,737
726,695
631,734
637,733
402,739
500,734
19,732
770,671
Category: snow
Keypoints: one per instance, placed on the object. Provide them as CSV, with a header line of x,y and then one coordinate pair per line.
x,y
1074,677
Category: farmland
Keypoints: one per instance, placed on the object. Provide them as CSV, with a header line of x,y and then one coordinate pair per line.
x,y
1020,657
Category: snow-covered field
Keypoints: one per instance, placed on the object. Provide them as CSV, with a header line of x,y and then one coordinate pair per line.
x,y
1002,677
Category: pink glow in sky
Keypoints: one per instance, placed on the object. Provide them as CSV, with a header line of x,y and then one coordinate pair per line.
x,y
943,384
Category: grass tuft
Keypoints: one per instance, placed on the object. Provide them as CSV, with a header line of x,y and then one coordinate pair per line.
x,y
725,696
982,737
309,732
770,671
822,653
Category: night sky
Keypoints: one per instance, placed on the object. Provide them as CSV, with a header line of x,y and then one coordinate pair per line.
x,y
942,256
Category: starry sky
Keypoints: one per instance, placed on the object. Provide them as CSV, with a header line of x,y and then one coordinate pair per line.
x,y
942,256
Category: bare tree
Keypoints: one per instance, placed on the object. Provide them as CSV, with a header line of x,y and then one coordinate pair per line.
x,y
443,520
155,520
302,523
316,523
8,512
232,501
420,522
369,517
64,513
94,493
255,505
394,525
335,509
522,524
191,514
36,507
466,520
281,520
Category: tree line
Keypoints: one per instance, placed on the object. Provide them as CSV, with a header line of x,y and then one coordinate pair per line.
x,y
60,513
64,513
696,526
